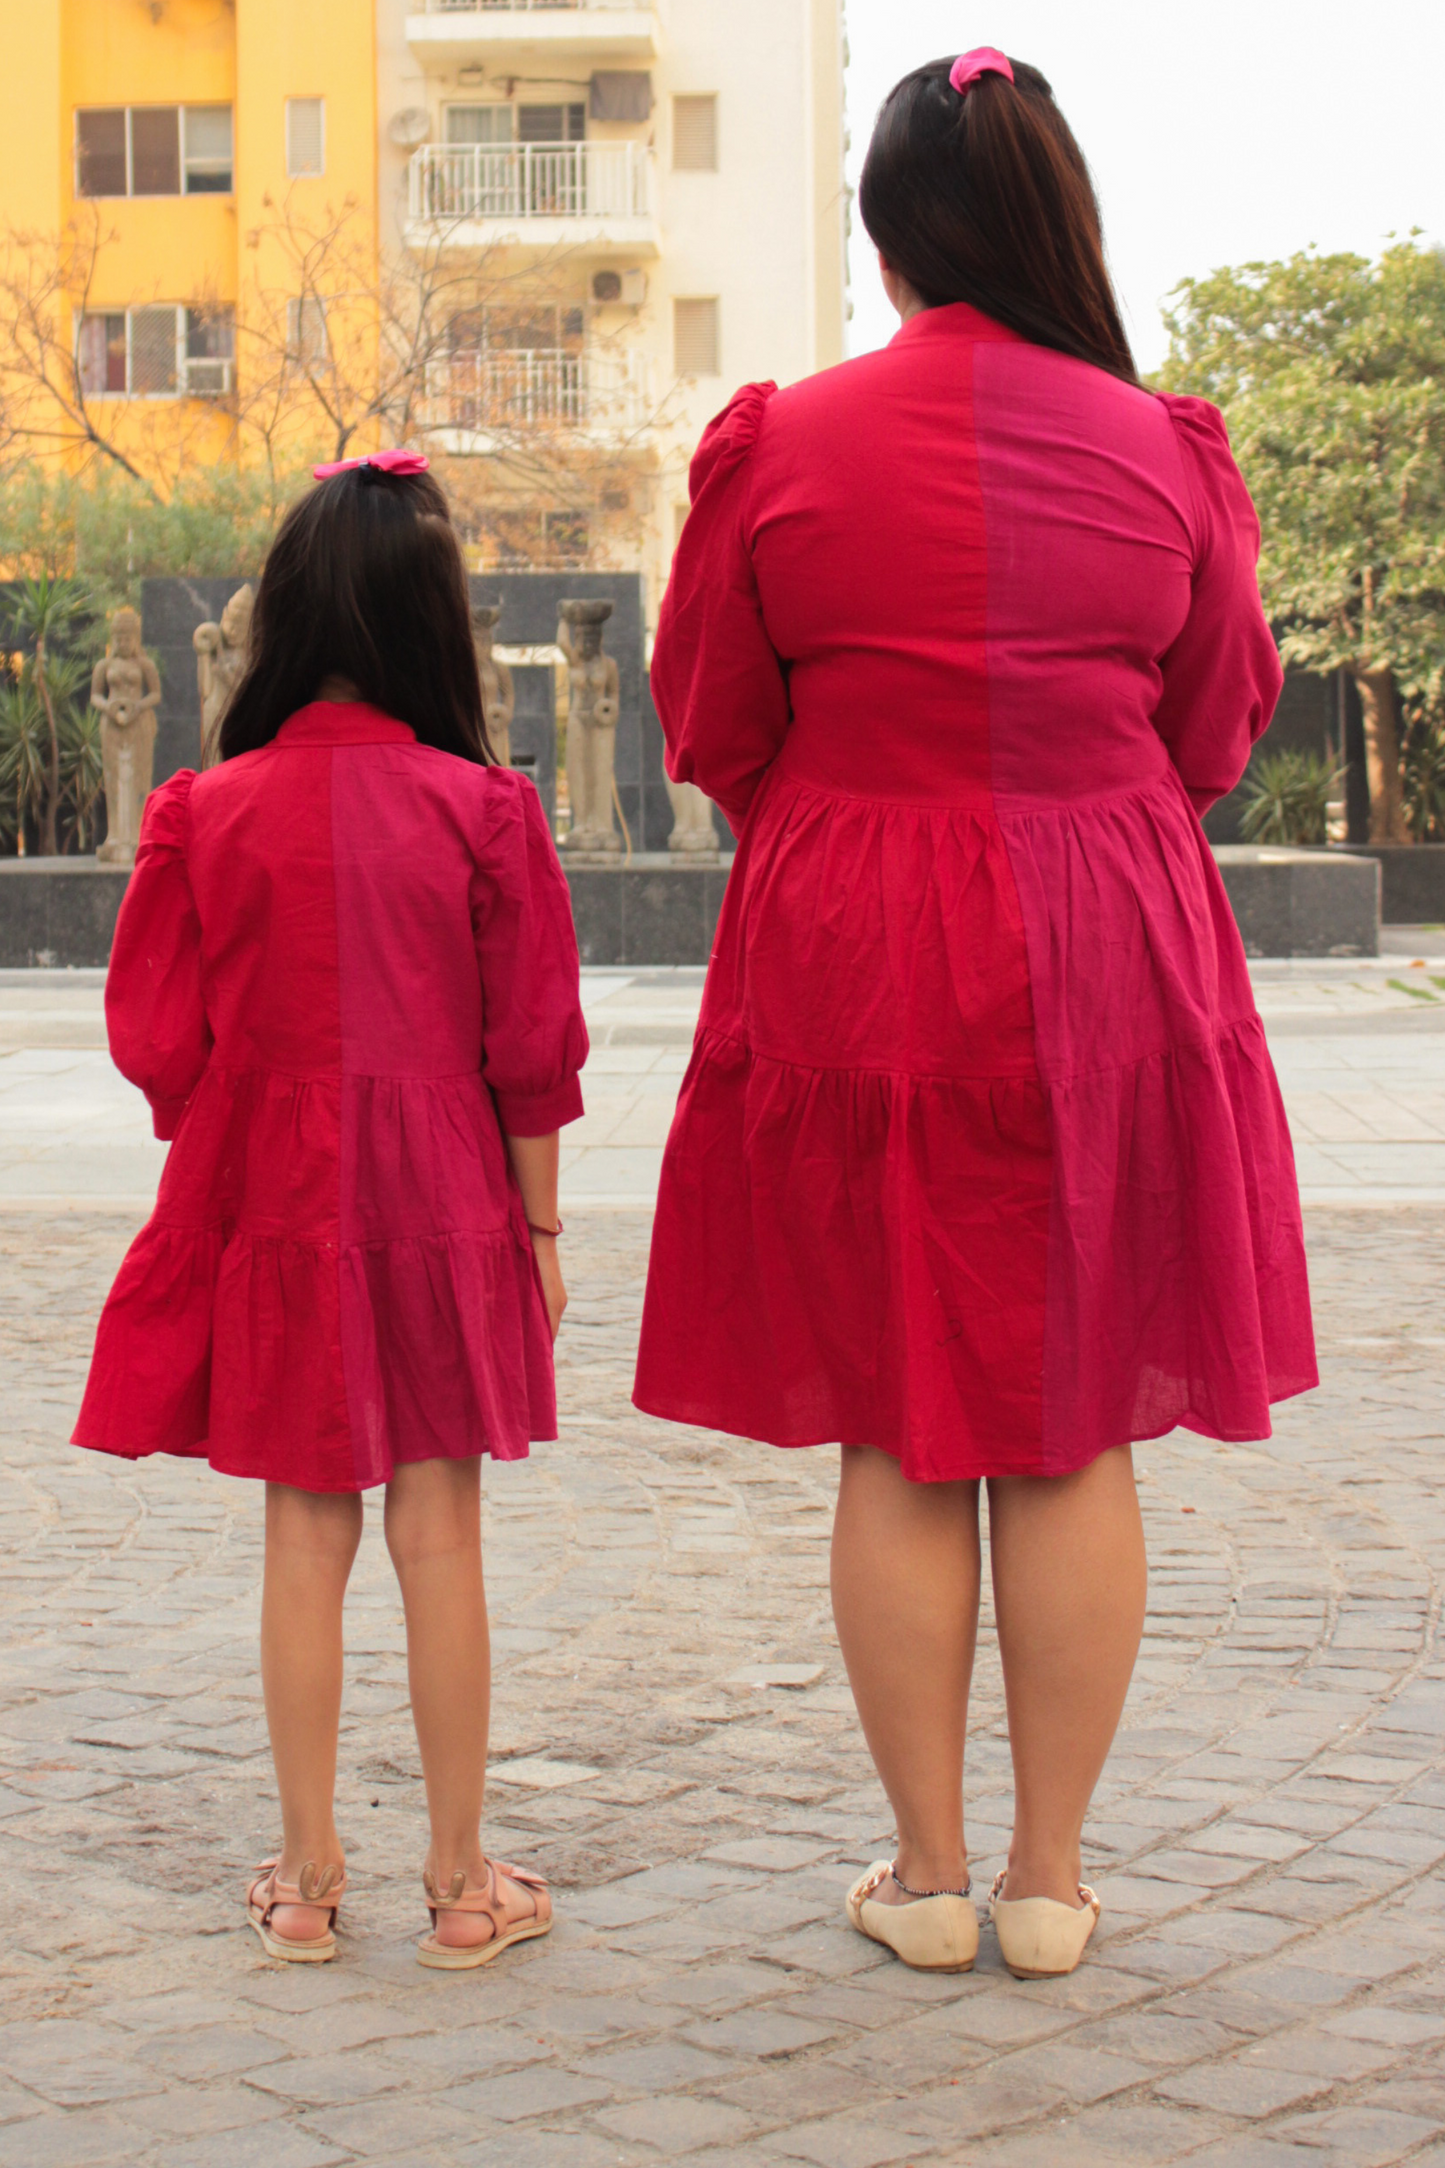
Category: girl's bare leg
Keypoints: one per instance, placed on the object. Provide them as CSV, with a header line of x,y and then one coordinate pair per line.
x,y
1070,1584
311,1542
905,1599
434,1534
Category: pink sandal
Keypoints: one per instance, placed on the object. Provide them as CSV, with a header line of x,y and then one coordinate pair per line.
x,y
323,1891
489,1902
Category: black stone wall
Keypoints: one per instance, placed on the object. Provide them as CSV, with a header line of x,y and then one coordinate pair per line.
x,y
172,609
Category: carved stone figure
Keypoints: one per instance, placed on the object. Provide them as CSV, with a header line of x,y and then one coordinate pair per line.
x,y
592,711
126,688
692,828
221,655
499,694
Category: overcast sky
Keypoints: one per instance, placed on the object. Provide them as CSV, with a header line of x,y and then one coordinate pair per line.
x,y
1217,133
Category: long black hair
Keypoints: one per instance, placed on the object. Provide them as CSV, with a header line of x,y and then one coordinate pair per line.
x,y
364,581
986,198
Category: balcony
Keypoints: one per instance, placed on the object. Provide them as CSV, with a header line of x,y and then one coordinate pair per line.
x,y
479,398
594,196
451,33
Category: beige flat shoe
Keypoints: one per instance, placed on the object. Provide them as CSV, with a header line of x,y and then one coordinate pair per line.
x,y
494,1902
323,1892
933,1934
1038,1938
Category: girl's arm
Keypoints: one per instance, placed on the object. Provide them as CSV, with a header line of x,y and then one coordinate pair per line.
x,y
534,1161
154,1008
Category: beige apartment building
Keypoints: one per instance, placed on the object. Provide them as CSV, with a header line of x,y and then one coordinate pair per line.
x,y
651,196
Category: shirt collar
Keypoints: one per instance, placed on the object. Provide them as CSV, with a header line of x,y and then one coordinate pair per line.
x,y
343,722
956,319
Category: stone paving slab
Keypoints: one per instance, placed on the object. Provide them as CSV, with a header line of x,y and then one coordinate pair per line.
x,y
674,1744
1359,1046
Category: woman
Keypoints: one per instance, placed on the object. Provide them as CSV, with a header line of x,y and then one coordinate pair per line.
x,y
980,1165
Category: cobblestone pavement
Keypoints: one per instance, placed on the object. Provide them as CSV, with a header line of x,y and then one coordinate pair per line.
x,y
674,1745
1359,1045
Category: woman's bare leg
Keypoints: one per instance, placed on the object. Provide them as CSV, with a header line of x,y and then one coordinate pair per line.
x,y
311,1542
1070,1584
434,1534
905,1599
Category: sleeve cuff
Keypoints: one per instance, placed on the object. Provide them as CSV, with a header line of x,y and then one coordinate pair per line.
x,y
166,1114
537,1114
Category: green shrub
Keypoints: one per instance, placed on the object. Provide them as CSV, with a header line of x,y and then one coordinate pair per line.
x,y
1287,797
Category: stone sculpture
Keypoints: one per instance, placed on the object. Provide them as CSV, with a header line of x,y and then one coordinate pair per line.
x,y
592,711
692,829
499,694
126,688
221,654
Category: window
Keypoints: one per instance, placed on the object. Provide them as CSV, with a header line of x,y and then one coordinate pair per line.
x,y
566,537
306,330
157,352
305,137
102,162
696,338
694,135
488,124
208,150
153,150
210,352
551,123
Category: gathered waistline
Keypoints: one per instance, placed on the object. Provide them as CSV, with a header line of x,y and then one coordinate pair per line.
x,y
985,808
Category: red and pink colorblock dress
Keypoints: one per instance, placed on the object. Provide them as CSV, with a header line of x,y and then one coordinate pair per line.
x,y
344,966
980,1157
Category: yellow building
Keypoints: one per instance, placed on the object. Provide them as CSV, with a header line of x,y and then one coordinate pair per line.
x,y
545,238
162,143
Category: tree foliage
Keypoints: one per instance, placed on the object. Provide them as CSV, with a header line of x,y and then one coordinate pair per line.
x,y
1330,371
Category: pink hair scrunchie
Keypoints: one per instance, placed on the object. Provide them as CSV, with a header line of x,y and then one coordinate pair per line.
x,y
983,60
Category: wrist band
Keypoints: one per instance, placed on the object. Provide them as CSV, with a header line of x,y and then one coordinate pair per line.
x,y
550,1232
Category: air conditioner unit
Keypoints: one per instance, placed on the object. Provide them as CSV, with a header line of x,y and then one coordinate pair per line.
x,y
208,379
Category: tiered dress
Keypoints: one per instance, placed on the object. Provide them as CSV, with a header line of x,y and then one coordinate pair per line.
x,y
344,966
980,1157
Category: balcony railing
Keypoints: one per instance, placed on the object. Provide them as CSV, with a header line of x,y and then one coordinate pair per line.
x,y
523,7
493,390
532,181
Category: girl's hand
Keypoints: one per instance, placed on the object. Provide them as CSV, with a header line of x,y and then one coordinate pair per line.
x,y
554,1292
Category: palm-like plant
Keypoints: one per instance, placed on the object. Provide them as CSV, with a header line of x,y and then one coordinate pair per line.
x,y
83,775
23,756
1288,798
44,611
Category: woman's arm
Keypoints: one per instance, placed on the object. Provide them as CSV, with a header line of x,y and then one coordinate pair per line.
x,y
717,680
155,1010
534,1162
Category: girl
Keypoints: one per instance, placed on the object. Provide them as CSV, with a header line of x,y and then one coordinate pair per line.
x,y
980,1165
345,977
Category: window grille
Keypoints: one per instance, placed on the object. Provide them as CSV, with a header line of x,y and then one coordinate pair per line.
x,y
696,338
305,137
306,330
694,135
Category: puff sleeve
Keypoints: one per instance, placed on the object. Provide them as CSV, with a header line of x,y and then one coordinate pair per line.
x,y
1222,676
534,1041
155,1008
719,684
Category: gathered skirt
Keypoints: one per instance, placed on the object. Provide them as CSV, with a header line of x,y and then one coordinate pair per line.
x,y
980,1158
337,1280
